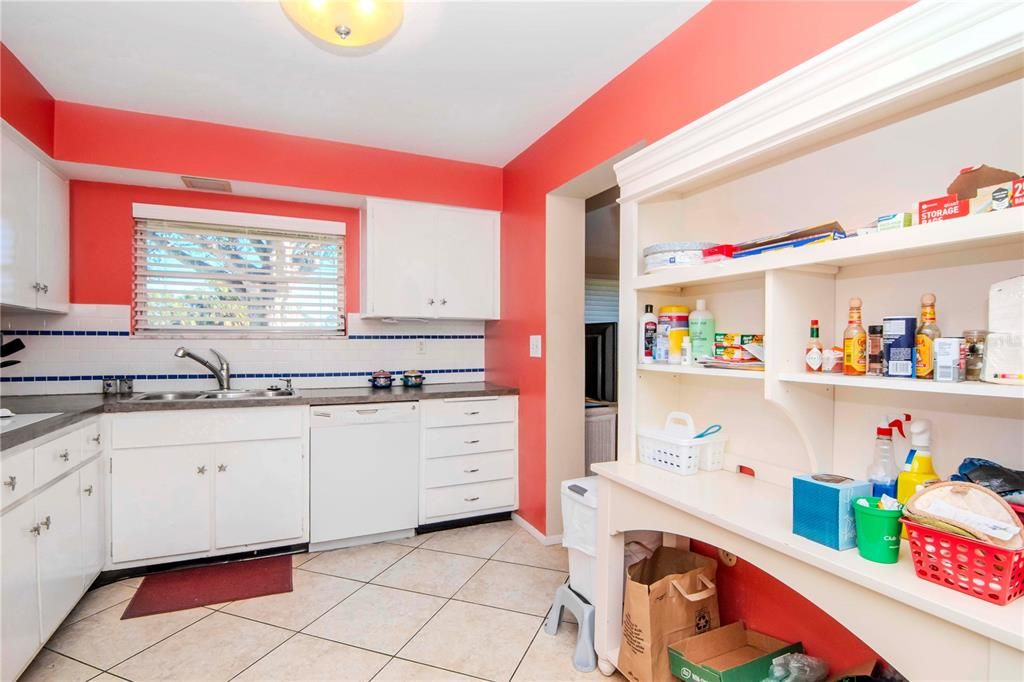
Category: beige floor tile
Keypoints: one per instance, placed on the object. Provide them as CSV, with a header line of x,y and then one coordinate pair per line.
x,y
429,572
358,563
132,582
407,671
414,541
299,559
99,599
475,640
216,648
106,677
104,640
479,541
550,658
312,595
521,548
49,666
511,586
377,618
310,659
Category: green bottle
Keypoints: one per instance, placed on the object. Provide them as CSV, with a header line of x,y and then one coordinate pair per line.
x,y
702,331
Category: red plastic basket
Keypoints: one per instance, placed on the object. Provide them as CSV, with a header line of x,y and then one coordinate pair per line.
x,y
976,568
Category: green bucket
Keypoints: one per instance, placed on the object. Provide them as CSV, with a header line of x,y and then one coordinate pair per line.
x,y
878,531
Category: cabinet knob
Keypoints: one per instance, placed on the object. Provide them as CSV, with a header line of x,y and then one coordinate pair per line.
x,y
430,301
88,491
96,439
46,288
201,470
41,288
11,482
45,523
471,499
35,530
66,455
444,301
222,467
37,286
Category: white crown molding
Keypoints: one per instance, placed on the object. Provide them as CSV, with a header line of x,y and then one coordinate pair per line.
x,y
926,51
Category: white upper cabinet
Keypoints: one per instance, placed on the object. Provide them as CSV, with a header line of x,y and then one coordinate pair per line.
x,y
429,261
34,238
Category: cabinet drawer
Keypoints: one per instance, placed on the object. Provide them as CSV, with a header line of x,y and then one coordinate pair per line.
x,y
466,411
489,466
464,440
58,456
16,471
92,440
194,427
461,499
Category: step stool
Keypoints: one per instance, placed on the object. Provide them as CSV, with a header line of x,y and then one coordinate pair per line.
x,y
584,658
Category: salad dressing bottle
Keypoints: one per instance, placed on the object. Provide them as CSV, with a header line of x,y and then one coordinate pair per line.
x,y
855,342
927,332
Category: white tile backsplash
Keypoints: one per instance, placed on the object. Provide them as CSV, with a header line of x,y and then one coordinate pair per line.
x,y
55,363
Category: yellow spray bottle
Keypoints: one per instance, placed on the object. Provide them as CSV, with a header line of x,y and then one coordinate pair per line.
x,y
918,469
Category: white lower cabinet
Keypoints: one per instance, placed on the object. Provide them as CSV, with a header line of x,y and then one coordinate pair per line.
x,y
59,551
90,493
194,483
19,591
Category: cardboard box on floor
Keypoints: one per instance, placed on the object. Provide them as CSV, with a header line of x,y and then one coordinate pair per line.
x,y
730,653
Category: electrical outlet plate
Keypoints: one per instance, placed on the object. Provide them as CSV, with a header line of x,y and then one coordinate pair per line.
x,y
535,351
421,347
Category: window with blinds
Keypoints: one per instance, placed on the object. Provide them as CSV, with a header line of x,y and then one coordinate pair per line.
x,y
600,300
212,280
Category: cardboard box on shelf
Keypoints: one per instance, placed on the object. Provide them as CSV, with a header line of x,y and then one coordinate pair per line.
x,y
894,221
730,653
942,208
999,197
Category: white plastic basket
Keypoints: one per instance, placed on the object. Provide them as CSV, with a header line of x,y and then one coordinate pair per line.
x,y
674,448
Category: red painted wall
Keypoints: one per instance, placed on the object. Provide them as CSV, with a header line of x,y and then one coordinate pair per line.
x,y
102,234
727,49
126,139
24,102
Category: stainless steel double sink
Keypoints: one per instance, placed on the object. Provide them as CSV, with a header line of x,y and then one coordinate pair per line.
x,y
229,394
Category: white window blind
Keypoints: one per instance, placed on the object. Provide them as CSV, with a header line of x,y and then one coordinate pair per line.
x,y
202,279
600,300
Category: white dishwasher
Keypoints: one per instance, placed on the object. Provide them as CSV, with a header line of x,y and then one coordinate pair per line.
x,y
364,472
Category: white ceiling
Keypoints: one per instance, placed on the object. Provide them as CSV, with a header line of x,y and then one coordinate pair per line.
x,y
475,81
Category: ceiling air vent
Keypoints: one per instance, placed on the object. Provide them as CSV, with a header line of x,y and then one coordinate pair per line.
x,y
206,184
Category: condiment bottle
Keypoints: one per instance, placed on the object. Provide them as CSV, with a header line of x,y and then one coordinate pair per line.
x,y
927,332
855,342
875,350
812,354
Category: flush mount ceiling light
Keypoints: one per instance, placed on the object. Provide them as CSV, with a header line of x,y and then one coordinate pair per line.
x,y
348,23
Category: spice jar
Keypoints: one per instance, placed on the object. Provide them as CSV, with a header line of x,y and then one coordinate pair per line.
x,y
975,340
875,350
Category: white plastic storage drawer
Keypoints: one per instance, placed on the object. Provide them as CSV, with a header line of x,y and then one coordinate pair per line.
x,y
463,499
58,456
353,415
16,471
467,411
465,440
488,466
216,425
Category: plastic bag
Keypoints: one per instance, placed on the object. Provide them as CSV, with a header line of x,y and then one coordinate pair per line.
x,y
797,668
1001,480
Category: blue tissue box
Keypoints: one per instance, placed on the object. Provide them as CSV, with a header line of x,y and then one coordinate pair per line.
x,y
821,509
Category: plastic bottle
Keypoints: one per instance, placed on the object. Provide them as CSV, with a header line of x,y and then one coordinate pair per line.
x,y
702,331
686,352
918,469
927,332
812,354
855,342
883,472
648,334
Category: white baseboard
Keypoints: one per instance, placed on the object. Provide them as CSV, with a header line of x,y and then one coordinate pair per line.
x,y
536,534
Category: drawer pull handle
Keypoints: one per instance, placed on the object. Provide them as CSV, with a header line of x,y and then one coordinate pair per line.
x,y
472,442
471,471
11,482
321,414
96,439
374,411
88,491
45,522
66,455
471,499
472,413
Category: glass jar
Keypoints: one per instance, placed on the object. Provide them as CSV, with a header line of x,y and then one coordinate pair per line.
x,y
975,340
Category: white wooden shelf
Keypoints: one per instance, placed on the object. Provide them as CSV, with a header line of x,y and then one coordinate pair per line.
x,y
703,371
984,229
916,385
762,512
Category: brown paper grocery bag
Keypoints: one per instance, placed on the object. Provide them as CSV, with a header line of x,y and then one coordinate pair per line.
x,y
667,597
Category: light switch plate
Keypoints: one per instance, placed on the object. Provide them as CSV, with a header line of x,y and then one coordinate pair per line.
x,y
535,346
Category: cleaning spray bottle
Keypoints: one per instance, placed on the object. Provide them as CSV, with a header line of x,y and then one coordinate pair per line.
x,y
918,468
883,472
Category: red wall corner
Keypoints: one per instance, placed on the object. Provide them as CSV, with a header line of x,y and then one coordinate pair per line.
x,y
24,102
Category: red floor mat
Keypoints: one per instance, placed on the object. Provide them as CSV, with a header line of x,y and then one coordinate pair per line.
x,y
203,585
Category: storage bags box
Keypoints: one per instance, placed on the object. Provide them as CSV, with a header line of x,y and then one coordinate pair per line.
x,y
668,597
728,654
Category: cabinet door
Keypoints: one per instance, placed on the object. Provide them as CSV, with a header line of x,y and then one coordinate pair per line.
x,y
400,268
59,552
260,492
160,501
52,242
19,592
18,214
467,264
90,490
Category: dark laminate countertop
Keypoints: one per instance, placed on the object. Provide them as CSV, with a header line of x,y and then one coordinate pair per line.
x,y
75,408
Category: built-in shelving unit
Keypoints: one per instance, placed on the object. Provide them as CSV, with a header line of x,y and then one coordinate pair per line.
x,y
962,388
703,371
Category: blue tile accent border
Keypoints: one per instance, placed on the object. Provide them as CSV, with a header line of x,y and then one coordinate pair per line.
x,y
354,337
258,375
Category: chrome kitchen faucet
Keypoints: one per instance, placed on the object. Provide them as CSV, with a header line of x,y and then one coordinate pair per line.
x,y
223,373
